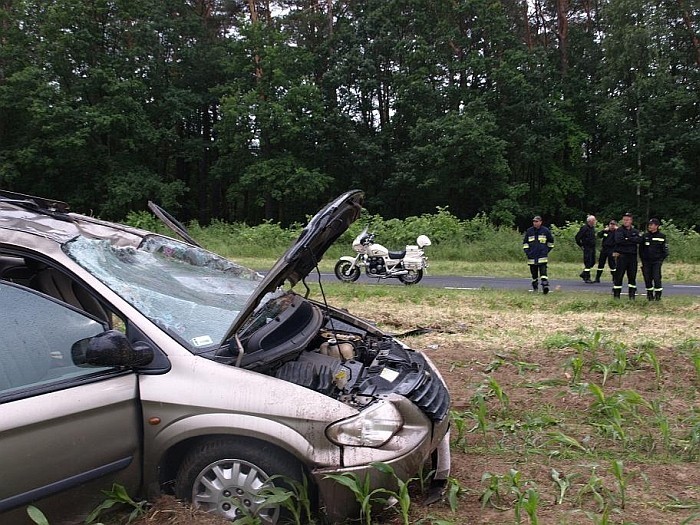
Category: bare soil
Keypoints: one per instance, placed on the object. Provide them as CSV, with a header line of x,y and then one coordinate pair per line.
x,y
526,347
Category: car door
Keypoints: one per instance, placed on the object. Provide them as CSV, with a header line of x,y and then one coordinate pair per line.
x,y
66,431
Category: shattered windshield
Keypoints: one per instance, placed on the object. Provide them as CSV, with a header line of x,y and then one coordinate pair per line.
x,y
190,293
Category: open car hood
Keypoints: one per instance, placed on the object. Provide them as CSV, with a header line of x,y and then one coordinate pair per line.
x,y
297,262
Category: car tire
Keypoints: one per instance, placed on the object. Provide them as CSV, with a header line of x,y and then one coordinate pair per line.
x,y
225,475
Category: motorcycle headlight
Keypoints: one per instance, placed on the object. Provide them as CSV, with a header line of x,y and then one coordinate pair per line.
x,y
372,427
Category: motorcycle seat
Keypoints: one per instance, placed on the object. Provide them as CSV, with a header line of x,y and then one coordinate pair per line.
x,y
397,255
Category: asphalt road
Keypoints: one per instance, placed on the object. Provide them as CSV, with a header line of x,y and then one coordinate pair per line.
x,y
509,283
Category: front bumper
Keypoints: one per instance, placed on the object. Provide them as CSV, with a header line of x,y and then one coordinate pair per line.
x,y
339,502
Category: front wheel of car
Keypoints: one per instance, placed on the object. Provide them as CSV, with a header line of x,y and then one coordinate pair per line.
x,y
231,477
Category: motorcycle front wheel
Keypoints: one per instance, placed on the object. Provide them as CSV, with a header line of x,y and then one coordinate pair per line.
x,y
346,272
412,277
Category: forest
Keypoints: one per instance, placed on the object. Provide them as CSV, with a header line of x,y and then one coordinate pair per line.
x,y
263,110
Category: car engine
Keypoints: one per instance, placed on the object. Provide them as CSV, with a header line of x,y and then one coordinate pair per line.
x,y
293,339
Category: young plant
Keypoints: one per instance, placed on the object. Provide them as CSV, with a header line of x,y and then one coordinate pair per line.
x,y
491,495
618,471
648,355
454,490
402,494
481,414
595,489
459,423
118,495
496,390
294,499
361,490
619,364
531,503
563,483
576,364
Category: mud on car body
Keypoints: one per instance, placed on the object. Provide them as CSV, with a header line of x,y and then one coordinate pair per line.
x,y
170,368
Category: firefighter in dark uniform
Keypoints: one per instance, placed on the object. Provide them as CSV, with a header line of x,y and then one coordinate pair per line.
x,y
627,240
607,236
585,238
537,243
653,251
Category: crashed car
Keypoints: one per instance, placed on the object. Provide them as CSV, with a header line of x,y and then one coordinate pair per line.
x,y
135,358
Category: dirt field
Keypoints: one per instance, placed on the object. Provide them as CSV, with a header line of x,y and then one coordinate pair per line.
x,y
602,396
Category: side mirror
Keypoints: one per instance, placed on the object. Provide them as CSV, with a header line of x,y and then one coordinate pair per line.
x,y
111,348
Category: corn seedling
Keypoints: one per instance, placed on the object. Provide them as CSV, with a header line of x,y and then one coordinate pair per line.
x,y
496,390
118,495
295,499
361,490
576,364
563,483
647,355
402,494
424,478
618,472
454,491
593,344
481,414
619,364
600,519
594,489
603,369
568,441
459,423
531,503
491,495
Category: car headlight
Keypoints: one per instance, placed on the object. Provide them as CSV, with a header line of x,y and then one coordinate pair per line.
x,y
372,427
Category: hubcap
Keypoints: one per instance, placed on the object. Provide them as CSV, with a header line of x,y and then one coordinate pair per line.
x,y
231,488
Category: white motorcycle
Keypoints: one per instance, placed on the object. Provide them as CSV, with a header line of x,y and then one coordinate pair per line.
x,y
407,265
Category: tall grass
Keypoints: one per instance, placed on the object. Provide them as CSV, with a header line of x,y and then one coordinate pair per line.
x,y
474,240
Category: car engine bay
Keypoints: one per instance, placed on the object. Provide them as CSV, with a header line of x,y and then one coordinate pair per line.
x,y
294,339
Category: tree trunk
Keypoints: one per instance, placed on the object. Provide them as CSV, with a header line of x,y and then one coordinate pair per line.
x,y
563,34
693,35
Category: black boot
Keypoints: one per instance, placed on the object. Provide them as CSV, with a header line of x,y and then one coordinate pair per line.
x,y
657,295
545,286
650,295
616,293
632,293
587,276
598,273
534,285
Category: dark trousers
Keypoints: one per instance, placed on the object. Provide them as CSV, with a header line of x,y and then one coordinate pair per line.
x,y
538,270
626,264
652,275
588,258
606,256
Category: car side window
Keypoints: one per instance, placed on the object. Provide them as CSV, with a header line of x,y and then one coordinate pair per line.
x,y
36,336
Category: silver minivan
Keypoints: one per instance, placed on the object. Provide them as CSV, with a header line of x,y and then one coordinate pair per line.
x,y
134,358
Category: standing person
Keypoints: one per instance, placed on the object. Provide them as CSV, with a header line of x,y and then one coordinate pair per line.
x,y
653,251
585,238
606,250
627,239
537,243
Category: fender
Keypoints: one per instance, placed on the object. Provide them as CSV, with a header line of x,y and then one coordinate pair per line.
x,y
349,259
233,425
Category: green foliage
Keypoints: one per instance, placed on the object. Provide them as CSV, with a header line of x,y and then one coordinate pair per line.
x,y
117,495
362,493
36,515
